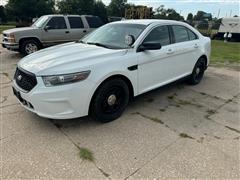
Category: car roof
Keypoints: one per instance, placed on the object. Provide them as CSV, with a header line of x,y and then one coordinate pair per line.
x,y
60,15
148,21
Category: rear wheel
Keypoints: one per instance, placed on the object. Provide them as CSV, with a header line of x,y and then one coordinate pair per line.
x,y
110,100
198,72
29,46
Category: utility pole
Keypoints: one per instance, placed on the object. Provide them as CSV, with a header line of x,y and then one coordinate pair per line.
x,y
218,13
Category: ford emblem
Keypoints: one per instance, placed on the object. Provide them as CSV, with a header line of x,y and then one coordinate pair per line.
x,y
19,77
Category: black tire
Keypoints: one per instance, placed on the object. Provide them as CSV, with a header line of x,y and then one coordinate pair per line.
x,y
110,100
198,72
25,46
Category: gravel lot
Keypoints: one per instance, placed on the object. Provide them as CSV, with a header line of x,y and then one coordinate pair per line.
x,y
177,131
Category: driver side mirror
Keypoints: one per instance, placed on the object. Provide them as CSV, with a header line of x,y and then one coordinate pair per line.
x,y
149,46
46,28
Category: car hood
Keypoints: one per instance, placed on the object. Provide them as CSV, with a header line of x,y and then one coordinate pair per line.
x,y
16,30
67,58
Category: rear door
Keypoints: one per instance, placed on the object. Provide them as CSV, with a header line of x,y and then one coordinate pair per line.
x,y
57,31
186,48
77,29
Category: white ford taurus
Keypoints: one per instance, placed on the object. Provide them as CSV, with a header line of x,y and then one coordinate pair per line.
x,y
99,74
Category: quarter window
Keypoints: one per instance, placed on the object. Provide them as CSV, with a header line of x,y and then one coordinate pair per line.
x,y
57,23
180,34
94,22
192,35
160,35
75,22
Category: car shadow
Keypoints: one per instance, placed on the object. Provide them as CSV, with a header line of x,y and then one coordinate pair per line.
x,y
141,99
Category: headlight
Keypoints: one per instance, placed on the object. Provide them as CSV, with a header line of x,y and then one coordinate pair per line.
x,y
65,78
11,38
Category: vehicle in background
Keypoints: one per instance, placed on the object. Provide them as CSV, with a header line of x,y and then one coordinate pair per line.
x,y
49,30
230,27
99,74
114,19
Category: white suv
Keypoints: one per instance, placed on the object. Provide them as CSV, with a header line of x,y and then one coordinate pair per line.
x,y
99,74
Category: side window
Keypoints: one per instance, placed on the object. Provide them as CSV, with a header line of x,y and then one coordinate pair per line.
x,y
94,22
192,35
159,34
180,34
57,23
75,22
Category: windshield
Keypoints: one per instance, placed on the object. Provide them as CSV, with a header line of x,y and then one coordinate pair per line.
x,y
40,22
113,35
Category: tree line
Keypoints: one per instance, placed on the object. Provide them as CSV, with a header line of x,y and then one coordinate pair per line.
x,y
25,10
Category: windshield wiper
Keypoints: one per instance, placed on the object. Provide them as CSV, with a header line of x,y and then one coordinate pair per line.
x,y
98,44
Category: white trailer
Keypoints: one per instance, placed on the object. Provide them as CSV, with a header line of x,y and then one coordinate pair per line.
x,y
230,25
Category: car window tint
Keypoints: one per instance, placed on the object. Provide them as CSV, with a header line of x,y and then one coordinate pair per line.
x,y
57,23
75,22
180,34
192,35
94,22
160,35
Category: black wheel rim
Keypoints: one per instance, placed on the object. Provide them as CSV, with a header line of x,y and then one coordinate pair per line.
x,y
198,72
113,100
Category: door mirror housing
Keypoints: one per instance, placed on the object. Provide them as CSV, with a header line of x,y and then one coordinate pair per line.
x,y
129,40
149,46
46,28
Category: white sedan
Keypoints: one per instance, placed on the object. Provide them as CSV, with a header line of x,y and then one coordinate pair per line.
x,y
99,74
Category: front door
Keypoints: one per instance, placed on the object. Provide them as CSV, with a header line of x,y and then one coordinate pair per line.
x,y
55,31
157,67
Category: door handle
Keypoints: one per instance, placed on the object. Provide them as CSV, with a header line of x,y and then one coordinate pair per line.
x,y
196,46
170,51
67,32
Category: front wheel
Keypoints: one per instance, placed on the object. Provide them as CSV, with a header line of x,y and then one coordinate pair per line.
x,y
29,46
198,72
110,100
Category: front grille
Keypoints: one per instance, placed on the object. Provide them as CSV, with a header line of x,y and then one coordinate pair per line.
x,y
25,80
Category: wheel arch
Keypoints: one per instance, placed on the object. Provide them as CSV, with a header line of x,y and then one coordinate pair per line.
x,y
121,76
30,38
205,60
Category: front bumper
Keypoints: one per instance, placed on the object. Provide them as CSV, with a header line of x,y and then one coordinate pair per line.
x,y
59,102
10,46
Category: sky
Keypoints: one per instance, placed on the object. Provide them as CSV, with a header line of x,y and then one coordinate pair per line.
x,y
186,6
226,7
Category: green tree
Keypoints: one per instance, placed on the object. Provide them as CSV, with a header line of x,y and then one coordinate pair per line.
x,y
201,15
76,6
100,10
117,8
174,15
162,13
3,17
25,10
190,17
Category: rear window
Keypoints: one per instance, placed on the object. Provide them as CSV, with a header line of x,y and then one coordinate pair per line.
x,y
94,22
75,22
